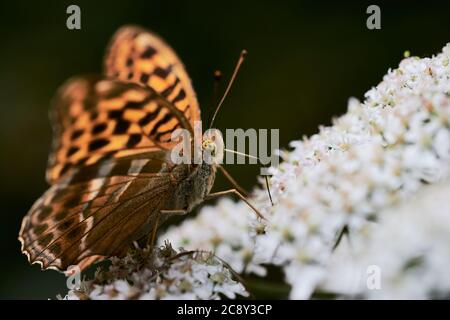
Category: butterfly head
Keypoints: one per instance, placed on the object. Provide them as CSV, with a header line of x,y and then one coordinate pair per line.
x,y
211,151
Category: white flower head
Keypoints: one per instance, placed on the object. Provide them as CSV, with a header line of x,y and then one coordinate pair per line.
x,y
162,273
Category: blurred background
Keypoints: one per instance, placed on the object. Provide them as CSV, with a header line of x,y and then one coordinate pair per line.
x,y
305,60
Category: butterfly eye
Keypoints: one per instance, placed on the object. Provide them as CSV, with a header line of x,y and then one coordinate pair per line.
x,y
210,146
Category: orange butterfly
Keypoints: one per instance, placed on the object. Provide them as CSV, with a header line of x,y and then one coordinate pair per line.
x,y
112,180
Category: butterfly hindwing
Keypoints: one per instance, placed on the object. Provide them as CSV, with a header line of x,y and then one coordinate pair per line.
x,y
138,55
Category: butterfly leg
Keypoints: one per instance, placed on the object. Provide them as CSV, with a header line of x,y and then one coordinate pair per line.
x,y
237,193
151,240
178,212
233,181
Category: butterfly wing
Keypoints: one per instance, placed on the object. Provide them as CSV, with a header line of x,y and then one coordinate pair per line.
x,y
109,165
139,56
95,119
96,211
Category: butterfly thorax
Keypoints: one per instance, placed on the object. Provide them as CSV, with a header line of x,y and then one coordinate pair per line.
x,y
193,190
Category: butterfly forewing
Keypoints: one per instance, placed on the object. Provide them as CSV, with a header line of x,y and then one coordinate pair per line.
x,y
96,118
138,55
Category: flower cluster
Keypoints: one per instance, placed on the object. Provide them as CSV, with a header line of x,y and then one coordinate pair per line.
x,y
404,256
334,185
161,273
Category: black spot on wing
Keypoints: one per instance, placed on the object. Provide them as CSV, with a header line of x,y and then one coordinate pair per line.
x,y
144,77
180,96
72,150
76,134
134,105
121,126
149,117
97,144
148,53
115,114
133,140
82,160
77,231
163,73
99,128
66,168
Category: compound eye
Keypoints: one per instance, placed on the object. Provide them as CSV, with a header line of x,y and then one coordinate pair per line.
x,y
212,148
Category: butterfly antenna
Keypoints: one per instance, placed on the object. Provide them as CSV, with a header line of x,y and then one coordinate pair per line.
x,y
217,76
230,83
260,162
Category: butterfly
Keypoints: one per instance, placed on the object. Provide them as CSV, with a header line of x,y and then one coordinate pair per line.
x,y
111,177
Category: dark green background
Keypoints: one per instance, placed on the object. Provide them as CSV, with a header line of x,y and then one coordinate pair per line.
x,y
305,60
